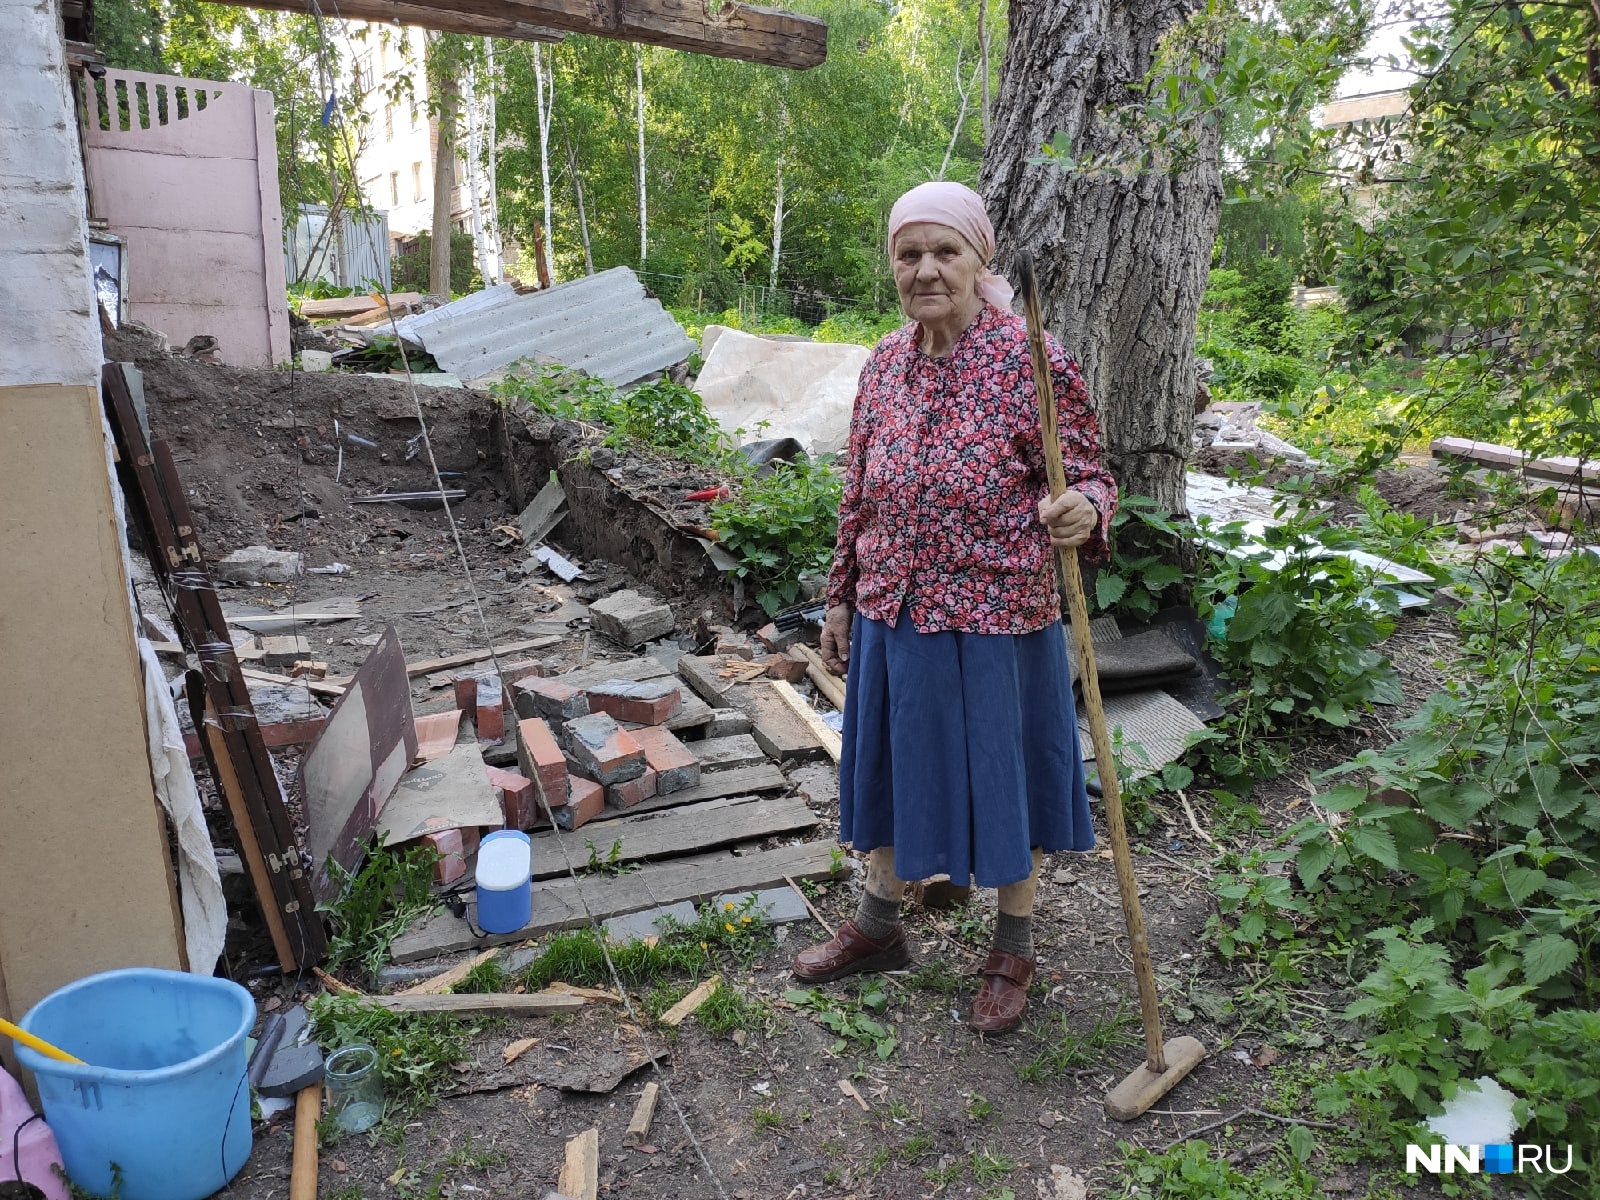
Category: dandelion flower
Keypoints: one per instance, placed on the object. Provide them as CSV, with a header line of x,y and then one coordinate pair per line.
x,y
728,907
744,920
728,926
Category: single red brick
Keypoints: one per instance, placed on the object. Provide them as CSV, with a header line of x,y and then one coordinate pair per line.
x,y
542,761
521,669
466,692
588,802
632,791
604,749
491,718
675,765
649,702
517,799
451,864
735,645
777,640
786,668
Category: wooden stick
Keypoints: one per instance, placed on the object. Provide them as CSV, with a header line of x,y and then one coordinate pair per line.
x,y
643,1113
303,1168
534,1005
1067,561
441,983
831,742
829,684
810,907
676,1014
337,986
580,1174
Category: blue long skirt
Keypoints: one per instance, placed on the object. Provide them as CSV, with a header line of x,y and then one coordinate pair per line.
x,y
960,750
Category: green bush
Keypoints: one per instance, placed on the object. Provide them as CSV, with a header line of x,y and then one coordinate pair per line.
x,y
409,271
781,526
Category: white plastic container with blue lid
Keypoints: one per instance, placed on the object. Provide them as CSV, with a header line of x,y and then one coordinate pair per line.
x,y
504,881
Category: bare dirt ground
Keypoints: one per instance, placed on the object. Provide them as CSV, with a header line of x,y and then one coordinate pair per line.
x,y
947,1112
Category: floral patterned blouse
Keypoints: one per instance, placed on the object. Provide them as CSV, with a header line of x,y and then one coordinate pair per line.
x,y
944,472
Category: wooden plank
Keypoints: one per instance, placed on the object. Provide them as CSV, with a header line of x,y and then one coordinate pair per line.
x,y
673,832
445,980
702,675
580,1174
563,904
693,713
778,729
643,1114
249,849
741,781
317,687
738,31
683,1008
831,742
736,750
534,1004
829,684
427,666
543,514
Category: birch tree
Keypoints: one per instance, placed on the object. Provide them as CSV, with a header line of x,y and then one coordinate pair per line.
x,y
644,221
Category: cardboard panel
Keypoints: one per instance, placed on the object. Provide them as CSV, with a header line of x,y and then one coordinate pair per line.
x,y
85,881
355,763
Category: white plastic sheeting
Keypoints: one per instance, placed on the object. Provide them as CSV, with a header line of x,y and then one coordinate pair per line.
x,y
803,390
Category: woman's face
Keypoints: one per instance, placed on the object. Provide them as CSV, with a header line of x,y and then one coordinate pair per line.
x,y
936,271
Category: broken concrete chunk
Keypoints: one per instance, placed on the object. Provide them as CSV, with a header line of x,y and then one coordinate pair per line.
x,y
539,697
630,618
644,702
721,754
258,564
725,722
282,650
604,749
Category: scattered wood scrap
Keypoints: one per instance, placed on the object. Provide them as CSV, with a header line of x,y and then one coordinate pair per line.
x,y
830,740
517,1049
538,1004
445,980
580,1174
683,1008
643,1114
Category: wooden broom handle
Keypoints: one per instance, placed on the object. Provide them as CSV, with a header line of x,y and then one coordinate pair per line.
x,y
1089,677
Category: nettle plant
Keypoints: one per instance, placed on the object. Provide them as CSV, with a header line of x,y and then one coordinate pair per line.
x,y
1482,823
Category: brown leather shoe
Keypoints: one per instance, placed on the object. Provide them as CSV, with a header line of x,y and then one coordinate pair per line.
x,y
850,951
1001,1000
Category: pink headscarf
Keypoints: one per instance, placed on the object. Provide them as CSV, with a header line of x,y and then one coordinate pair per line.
x,y
957,207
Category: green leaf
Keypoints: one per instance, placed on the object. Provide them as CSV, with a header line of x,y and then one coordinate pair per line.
x,y
1300,1142
1546,957
1376,843
1314,858
1263,609
1108,589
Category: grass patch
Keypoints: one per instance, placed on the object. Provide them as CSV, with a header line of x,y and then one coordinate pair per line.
x,y
392,890
1067,1049
728,1009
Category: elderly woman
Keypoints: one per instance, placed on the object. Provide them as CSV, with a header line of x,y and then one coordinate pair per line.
x,y
960,742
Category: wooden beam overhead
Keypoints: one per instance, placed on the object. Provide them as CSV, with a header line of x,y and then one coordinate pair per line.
x,y
740,31
395,12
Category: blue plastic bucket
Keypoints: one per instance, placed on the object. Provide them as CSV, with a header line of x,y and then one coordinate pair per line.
x,y
163,1101
505,893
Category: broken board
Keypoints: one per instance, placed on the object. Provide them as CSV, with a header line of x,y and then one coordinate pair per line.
x,y
356,762
674,831
740,781
452,792
563,904
776,727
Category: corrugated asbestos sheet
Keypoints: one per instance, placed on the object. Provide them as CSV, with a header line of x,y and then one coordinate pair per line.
x,y
603,324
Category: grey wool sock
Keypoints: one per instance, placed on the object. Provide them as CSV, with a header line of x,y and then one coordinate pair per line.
x,y
877,917
1014,935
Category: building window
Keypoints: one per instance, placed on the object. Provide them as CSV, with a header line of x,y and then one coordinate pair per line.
x,y
388,122
394,189
416,182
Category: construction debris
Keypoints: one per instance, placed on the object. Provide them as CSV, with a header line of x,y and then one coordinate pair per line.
x,y
630,619
643,1114
258,564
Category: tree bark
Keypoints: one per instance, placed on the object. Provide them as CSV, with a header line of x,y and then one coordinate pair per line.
x,y
544,84
1122,256
444,180
983,65
644,223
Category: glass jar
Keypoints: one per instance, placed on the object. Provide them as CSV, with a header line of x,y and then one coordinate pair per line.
x,y
355,1088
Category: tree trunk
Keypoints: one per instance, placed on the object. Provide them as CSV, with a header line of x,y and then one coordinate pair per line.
x,y
983,66
544,83
491,154
644,223
583,215
444,183
1122,258
480,231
